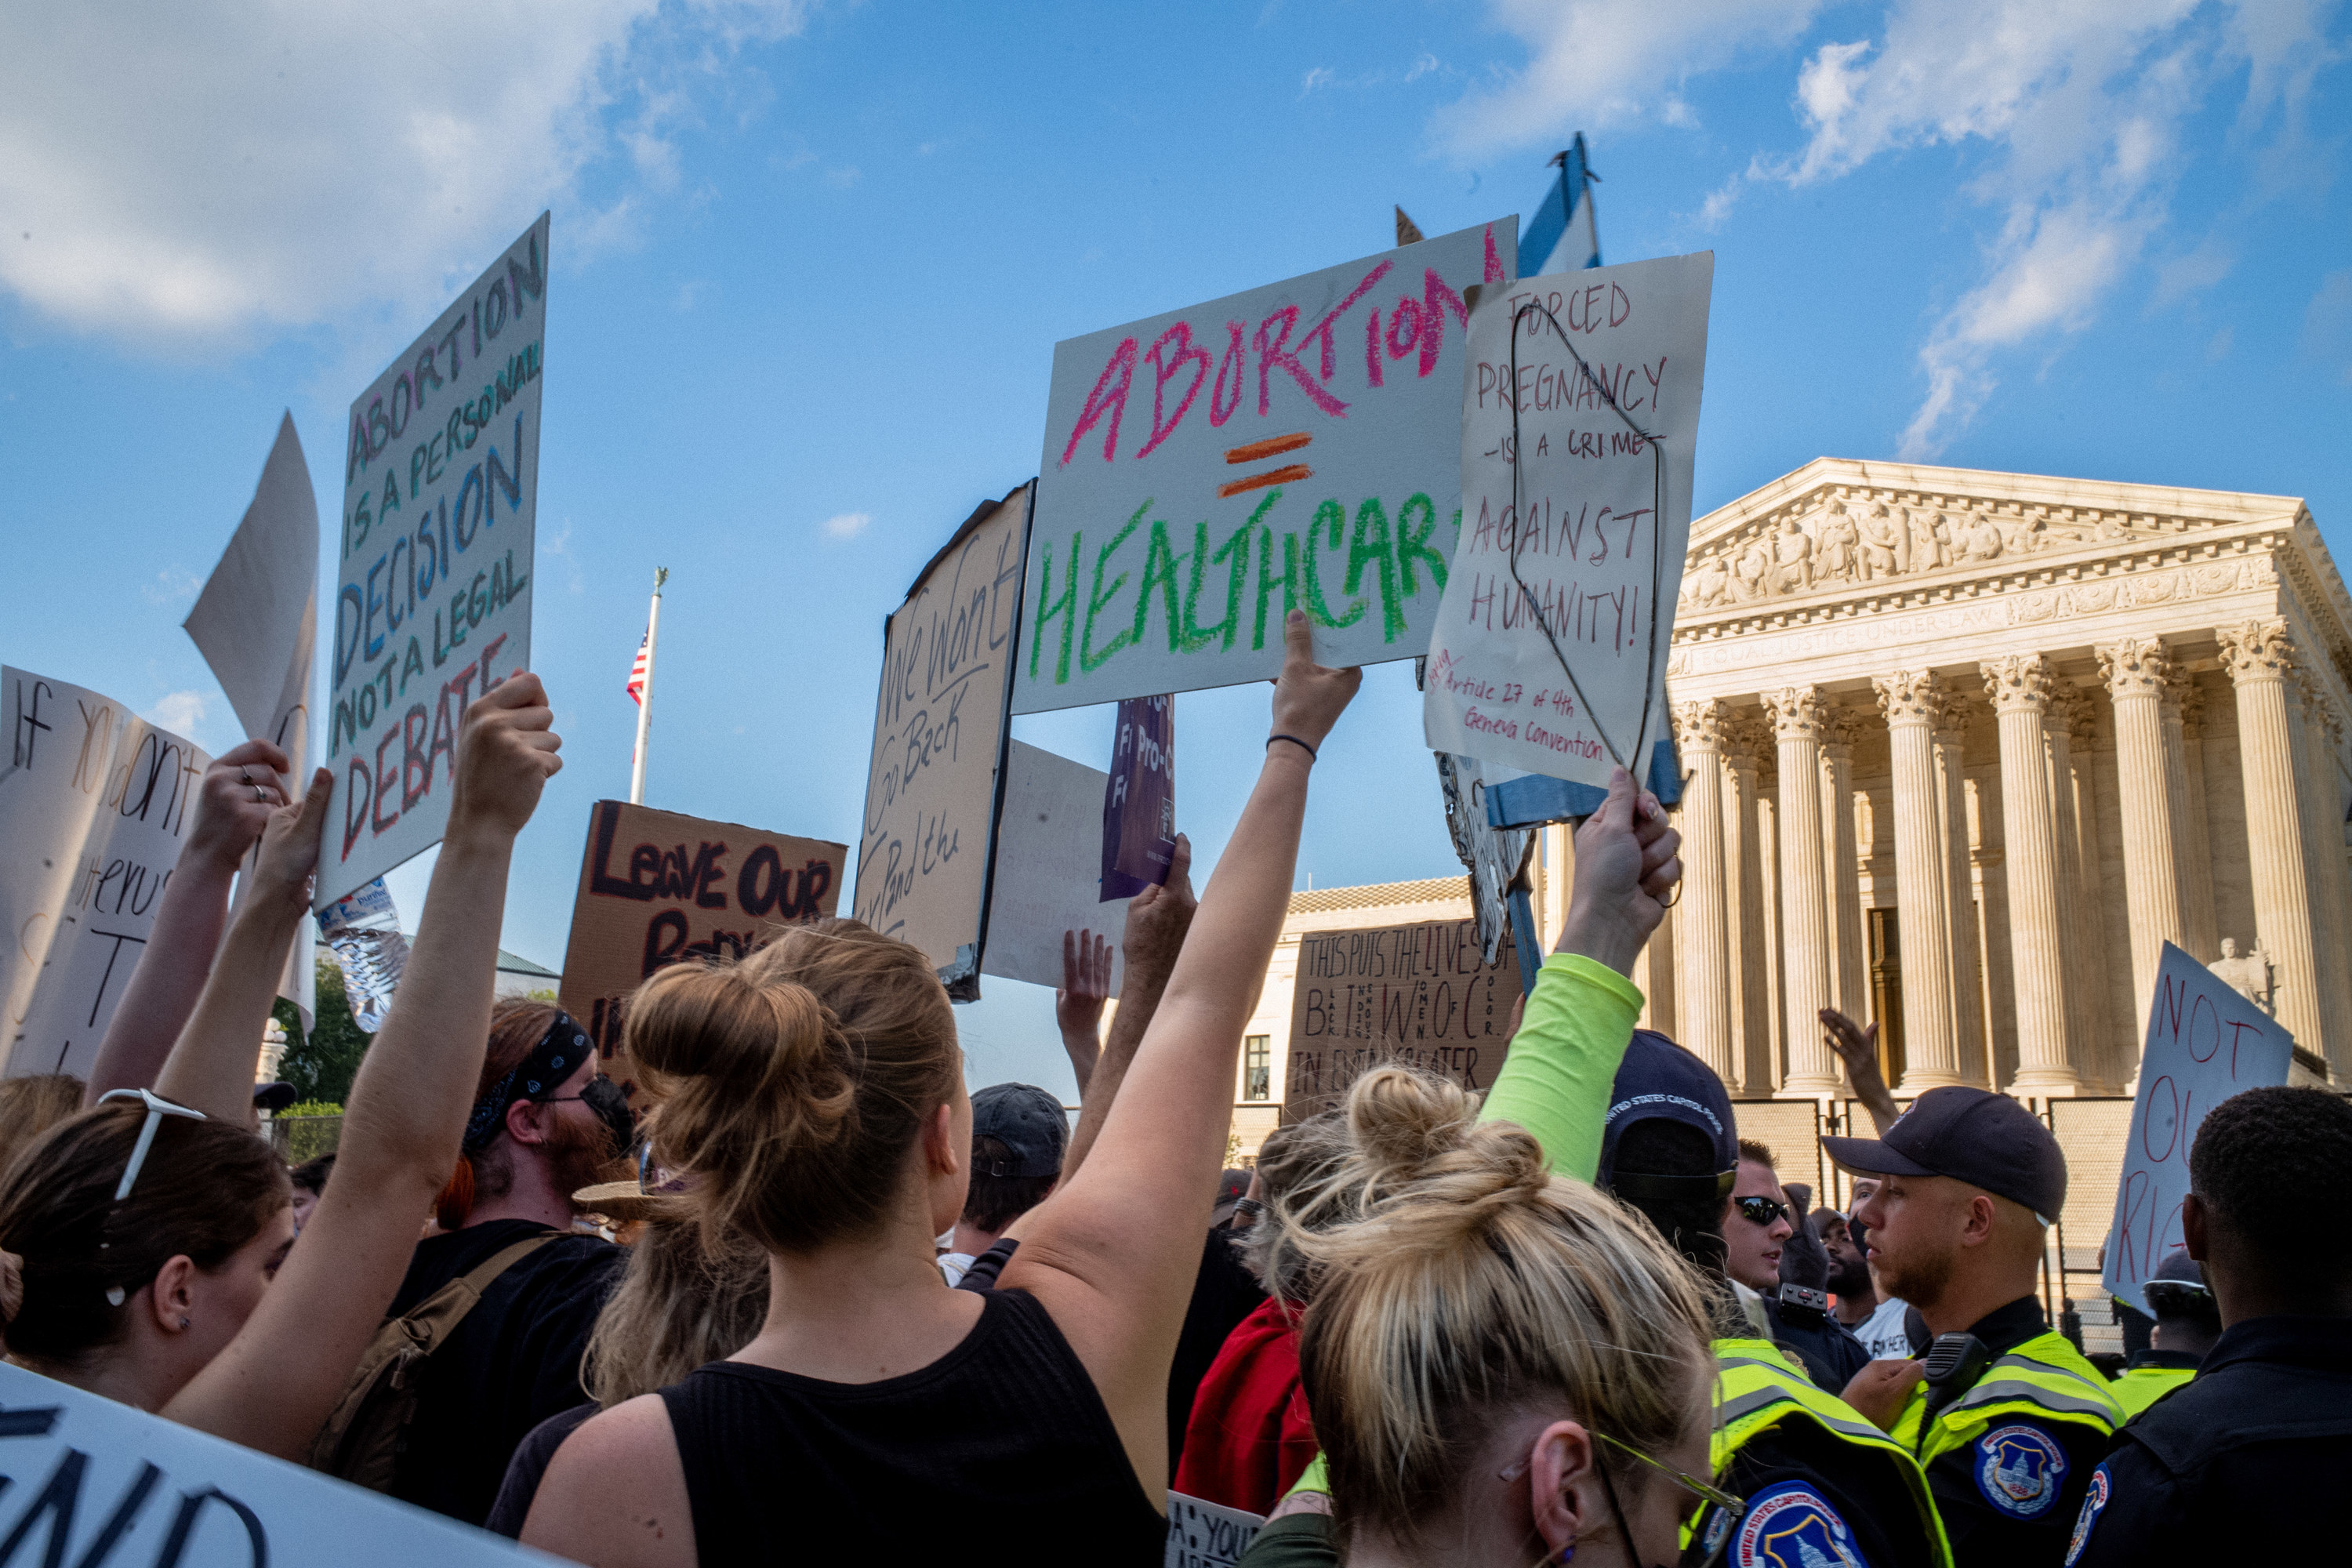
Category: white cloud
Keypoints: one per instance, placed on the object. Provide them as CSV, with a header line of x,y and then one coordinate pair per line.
x,y
178,711
848,525
1599,63
2083,101
192,173
2191,273
1317,75
173,585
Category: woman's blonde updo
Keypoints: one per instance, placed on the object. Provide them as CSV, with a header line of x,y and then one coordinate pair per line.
x,y
792,1082
1470,1283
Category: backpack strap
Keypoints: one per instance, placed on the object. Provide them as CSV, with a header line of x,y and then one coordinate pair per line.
x,y
436,1317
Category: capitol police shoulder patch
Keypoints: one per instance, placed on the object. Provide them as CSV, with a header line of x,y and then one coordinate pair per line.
x,y
2093,1501
1795,1527
2020,1470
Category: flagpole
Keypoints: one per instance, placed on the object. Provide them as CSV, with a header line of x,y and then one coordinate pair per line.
x,y
645,697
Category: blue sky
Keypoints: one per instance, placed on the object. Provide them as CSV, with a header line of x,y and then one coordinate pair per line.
x,y
810,262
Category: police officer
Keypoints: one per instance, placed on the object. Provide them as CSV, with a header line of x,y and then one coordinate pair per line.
x,y
2240,1465
1821,1484
2010,1420
2187,1324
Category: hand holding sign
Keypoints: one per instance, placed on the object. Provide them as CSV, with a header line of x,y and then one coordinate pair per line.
x,y
1628,862
240,789
1308,697
506,754
1158,918
290,844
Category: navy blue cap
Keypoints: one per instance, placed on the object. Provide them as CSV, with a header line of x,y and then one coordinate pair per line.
x,y
1659,1080
1971,1135
1028,1121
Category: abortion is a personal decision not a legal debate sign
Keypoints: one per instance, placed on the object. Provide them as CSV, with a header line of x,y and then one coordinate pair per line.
x,y
433,573
1207,471
1579,423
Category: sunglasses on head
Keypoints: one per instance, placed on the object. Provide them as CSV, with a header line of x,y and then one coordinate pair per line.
x,y
1761,1211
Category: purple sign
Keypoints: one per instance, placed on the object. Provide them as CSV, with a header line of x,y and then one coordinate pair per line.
x,y
1140,802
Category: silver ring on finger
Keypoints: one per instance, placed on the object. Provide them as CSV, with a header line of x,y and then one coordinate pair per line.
x,y
259,795
245,776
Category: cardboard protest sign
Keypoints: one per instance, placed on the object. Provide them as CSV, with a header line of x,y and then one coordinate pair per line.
x,y
257,624
94,806
1048,870
1421,995
1580,420
434,568
1208,469
934,782
104,1485
1204,1534
657,888
1138,837
2205,1043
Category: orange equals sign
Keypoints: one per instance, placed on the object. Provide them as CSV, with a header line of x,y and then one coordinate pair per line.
x,y
1258,451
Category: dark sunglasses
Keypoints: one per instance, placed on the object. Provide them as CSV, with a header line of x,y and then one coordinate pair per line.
x,y
1761,1211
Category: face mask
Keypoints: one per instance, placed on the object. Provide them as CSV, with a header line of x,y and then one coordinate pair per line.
x,y
604,1097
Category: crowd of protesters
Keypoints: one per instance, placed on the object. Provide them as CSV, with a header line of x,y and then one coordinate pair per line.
x,y
1580,1318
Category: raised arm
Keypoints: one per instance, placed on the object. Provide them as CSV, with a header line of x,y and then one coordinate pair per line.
x,y
1156,920
211,1065
1078,1001
280,1376
1858,1048
1579,1017
1113,1252
233,805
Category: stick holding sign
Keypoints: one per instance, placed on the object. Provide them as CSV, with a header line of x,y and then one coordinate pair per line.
x,y
1580,419
2205,1043
433,573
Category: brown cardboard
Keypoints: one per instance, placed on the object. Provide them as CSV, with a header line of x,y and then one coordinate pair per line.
x,y
1419,995
657,888
935,778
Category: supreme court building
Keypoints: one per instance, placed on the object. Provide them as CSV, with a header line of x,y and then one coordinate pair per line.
x,y
1964,750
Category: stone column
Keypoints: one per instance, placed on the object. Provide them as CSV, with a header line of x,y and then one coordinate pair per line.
x,y
1799,719
2184,707
1965,935
1656,974
2261,658
1912,701
2323,817
2078,784
2136,670
1768,1061
2079,962
1743,873
1706,998
2020,687
1849,964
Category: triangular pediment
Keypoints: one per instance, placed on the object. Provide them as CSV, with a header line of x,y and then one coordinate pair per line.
x,y
1839,526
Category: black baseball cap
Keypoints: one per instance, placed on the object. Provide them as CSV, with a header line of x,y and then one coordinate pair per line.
x,y
1028,1121
1659,1080
1971,1135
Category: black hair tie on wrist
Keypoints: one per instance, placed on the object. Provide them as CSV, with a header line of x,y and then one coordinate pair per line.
x,y
1295,741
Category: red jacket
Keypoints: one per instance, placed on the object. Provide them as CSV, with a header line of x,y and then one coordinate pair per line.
x,y
1250,1437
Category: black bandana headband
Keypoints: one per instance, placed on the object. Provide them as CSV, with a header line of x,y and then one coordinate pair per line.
x,y
556,1058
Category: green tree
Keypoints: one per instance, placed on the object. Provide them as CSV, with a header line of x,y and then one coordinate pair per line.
x,y
321,1065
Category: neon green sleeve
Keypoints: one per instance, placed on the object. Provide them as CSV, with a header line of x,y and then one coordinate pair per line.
x,y
1315,1478
1555,1083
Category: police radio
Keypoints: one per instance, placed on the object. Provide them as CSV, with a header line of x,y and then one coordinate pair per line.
x,y
1954,1363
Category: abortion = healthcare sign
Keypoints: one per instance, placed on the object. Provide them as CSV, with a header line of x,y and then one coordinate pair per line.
x,y
1208,470
433,601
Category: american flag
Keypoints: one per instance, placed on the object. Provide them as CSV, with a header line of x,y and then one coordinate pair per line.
x,y
637,672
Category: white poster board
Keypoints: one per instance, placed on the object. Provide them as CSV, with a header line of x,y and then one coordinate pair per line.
x,y
433,573
256,624
94,804
1048,876
1208,469
1550,653
2205,1043
1202,1534
87,1482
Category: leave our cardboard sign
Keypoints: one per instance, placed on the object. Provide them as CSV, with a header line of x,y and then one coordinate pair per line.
x,y
1579,426
1418,996
657,888
1208,470
433,570
935,781
2205,1043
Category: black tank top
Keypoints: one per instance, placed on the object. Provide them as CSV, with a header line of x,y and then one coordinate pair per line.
x,y
1003,1438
